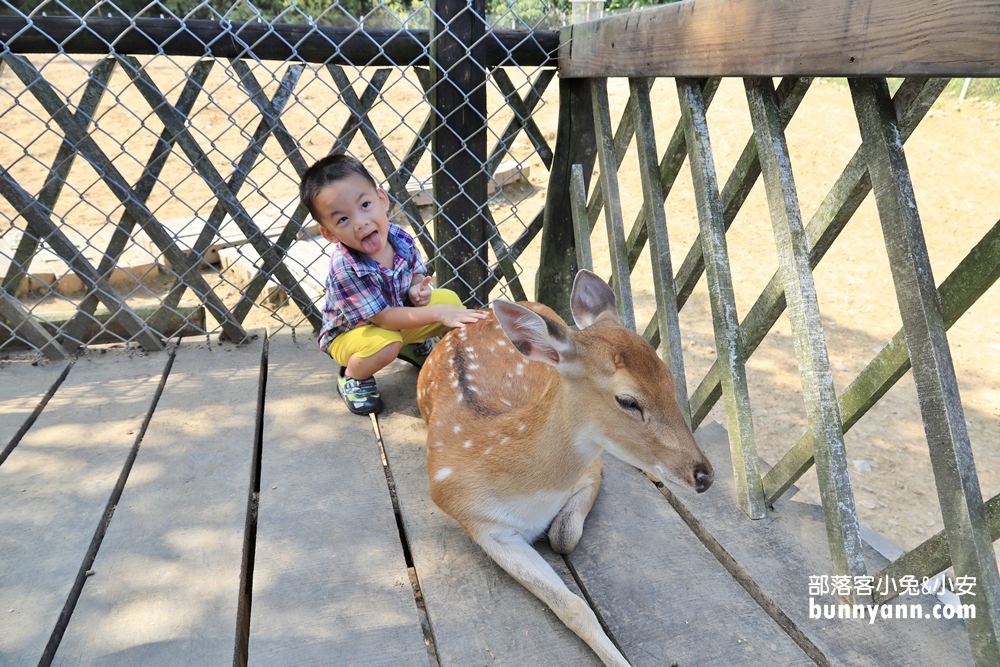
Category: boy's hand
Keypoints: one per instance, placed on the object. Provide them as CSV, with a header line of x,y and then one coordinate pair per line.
x,y
457,318
420,293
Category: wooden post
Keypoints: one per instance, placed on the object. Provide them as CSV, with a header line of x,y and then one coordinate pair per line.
x,y
458,148
955,475
575,144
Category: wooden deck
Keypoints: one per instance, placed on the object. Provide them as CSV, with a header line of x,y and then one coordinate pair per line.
x,y
219,505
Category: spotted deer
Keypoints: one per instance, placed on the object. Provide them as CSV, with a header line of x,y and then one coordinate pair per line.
x,y
519,408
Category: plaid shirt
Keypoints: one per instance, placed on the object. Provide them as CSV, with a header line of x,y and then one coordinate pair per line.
x,y
358,288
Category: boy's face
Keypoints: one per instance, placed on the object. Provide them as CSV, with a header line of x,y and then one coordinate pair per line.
x,y
354,213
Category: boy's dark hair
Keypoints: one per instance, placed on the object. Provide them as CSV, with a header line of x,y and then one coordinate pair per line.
x,y
328,170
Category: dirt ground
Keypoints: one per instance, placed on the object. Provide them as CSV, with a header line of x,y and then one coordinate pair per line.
x,y
950,156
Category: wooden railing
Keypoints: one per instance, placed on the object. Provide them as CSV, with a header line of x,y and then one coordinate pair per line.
x,y
697,42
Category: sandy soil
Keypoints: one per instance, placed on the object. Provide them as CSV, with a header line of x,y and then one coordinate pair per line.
x,y
950,156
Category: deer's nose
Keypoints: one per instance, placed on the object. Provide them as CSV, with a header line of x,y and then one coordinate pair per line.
x,y
703,478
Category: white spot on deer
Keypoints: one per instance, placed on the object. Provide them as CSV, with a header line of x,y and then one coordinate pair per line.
x,y
455,383
504,440
506,402
458,428
473,367
442,474
488,450
501,342
473,388
467,444
520,427
439,444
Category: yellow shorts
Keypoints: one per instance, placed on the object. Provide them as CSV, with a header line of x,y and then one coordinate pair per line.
x,y
368,339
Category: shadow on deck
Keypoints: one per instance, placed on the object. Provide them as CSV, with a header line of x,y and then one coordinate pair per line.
x,y
221,506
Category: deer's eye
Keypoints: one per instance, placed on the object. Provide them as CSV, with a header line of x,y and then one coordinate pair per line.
x,y
629,404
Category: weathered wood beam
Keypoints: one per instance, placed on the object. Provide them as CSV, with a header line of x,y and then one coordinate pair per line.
x,y
23,325
655,222
578,205
728,342
791,90
932,556
620,275
839,510
912,101
971,278
698,38
959,493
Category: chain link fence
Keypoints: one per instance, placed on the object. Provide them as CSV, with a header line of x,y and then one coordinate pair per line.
x,y
150,159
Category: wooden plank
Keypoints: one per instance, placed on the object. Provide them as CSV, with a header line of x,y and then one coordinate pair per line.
x,y
664,599
55,485
167,576
959,494
325,508
728,343
479,614
778,38
782,551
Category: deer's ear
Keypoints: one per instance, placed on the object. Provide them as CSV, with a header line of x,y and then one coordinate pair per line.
x,y
592,300
535,336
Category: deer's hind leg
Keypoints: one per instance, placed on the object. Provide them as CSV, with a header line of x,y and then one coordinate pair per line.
x,y
567,528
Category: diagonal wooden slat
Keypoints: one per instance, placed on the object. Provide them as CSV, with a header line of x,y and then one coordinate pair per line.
x,y
171,119
270,124
932,556
22,324
38,220
971,278
822,412
522,108
622,138
195,80
620,275
728,343
407,166
86,145
655,221
955,475
913,99
61,165
581,227
395,178
734,193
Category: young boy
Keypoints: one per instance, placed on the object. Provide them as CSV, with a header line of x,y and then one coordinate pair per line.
x,y
378,297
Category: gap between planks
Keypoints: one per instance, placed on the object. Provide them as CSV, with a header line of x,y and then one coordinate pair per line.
x,y
404,541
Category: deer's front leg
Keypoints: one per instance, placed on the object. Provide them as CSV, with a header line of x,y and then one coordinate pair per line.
x,y
567,527
520,560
